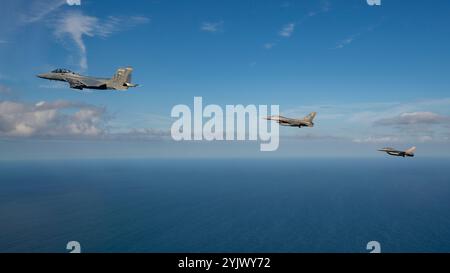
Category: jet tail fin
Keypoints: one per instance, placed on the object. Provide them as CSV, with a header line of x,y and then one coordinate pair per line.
x,y
123,77
311,116
411,151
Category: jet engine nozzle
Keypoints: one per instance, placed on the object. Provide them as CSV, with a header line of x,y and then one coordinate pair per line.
x,y
127,84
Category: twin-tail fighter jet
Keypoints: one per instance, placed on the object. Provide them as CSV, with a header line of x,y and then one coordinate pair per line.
x,y
120,81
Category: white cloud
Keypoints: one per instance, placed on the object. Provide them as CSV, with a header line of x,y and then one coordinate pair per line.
x,y
51,119
212,26
386,140
287,30
414,118
64,119
407,122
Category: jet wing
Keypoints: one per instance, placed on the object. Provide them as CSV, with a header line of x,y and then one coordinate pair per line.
x,y
86,83
283,121
276,118
76,84
287,121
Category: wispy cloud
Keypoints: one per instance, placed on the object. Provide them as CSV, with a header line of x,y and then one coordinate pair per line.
x,y
269,45
137,20
70,22
286,4
143,134
38,10
345,42
287,30
76,26
325,6
212,26
317,137
350,39
377,139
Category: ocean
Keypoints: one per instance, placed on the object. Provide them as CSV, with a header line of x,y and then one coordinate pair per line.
x,y
226,205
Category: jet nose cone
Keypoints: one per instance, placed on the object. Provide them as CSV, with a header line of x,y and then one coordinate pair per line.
x,y
42,76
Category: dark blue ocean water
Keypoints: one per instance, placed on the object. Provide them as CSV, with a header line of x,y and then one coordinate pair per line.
x,y
297,205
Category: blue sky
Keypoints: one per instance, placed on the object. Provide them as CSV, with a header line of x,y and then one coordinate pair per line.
x,y
377,76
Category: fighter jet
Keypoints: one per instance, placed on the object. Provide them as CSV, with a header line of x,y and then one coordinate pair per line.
x,y
120,81
392,151
304,122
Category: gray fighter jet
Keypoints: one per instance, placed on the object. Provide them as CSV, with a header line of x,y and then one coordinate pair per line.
x,y
304,122
120,81
391,151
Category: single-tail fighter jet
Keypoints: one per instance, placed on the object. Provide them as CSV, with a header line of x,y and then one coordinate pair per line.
x,y
391,151
120,81
304,122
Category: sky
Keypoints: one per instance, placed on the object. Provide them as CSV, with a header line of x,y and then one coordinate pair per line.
x,y
376,75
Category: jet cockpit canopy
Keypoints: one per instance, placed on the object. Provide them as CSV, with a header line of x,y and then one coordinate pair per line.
x,y
61,70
